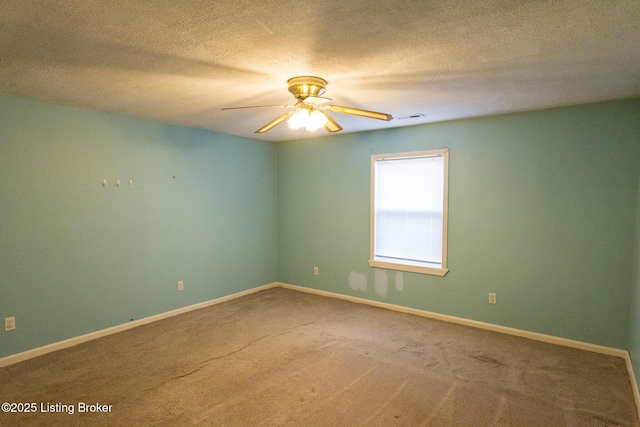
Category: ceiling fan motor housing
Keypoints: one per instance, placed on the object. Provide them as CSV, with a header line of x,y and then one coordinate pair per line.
x,y
305,86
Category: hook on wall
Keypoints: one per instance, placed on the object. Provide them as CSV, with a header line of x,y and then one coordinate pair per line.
x,y
104,182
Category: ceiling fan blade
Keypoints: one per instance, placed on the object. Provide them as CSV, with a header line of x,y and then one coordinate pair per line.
x,y
331,125
258,106
275,122
315,100
357,112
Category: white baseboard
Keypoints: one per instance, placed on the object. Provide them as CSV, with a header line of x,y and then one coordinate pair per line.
x,y
19,357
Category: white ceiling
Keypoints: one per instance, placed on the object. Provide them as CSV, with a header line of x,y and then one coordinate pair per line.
x,y
181,61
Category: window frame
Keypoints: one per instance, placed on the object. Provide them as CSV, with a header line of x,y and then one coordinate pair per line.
x,y
436,271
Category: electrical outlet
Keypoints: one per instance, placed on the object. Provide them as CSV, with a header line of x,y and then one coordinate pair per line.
x,y
9,323
315,271
492,298
180,285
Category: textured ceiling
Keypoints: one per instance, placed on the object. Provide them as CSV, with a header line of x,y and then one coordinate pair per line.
x,y
182,61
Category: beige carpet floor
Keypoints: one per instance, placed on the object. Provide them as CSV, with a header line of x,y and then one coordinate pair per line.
x,y
286,358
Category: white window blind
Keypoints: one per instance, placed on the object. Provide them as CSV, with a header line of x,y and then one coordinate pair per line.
x,y
409,209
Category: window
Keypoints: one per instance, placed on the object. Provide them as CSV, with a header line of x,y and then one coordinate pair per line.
x,y
409,211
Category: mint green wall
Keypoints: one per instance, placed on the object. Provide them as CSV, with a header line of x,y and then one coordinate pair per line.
x,y
542,211
77,257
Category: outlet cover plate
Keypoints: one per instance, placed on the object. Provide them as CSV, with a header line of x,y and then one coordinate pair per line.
x,y
9,323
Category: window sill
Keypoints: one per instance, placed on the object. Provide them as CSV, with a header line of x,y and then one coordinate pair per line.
x,y
411,268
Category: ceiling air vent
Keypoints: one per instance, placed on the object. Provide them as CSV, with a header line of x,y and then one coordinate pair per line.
x,y
411,116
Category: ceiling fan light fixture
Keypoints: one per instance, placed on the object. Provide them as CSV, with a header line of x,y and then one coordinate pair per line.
x,y
309,119
299,119
310,110
317,120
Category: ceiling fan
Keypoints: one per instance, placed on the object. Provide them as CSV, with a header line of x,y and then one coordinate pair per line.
x,y
309,111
